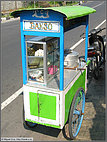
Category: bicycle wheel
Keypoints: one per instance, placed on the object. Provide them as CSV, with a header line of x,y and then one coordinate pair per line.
x,y
102,50
95,68
96,73
76,113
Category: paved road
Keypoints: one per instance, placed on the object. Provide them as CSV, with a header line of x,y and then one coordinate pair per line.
x,y
11,53
11,72
11,118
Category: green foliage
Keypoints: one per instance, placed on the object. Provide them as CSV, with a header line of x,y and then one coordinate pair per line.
x,y
51,2
30,4
71,3
5,15
54,3
42,4
10,15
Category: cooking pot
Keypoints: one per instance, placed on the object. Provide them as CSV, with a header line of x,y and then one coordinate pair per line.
x,y
71,59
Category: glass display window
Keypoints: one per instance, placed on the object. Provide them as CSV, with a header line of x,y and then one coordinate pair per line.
x,y
35,55
52,57
42,58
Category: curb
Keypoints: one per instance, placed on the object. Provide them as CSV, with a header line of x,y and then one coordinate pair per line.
x,y
5,18
8,19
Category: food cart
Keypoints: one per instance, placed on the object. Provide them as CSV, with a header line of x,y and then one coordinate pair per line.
x,y
54,80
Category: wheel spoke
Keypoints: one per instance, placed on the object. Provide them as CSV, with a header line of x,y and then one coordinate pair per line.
x,y
76,112
77,124
75,127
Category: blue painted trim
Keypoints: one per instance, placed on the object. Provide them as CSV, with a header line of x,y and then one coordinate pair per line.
x,y
23,49
86,39
62,57
35,33
53,17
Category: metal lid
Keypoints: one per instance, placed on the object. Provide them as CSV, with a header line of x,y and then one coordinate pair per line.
x,y
71,56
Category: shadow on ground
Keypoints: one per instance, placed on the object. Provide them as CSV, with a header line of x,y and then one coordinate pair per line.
x,y
96,96
45,130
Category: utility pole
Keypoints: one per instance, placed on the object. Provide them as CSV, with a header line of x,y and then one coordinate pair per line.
x,y
65,3
34,4
54,3
15,4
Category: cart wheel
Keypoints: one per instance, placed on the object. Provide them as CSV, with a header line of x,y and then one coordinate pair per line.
x,y
26,123
76,113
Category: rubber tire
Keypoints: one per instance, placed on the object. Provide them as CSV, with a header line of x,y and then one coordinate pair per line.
x,y
101,43
26,123
71,114
96,74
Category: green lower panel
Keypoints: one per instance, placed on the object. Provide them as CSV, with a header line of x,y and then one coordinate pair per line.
x,y
47,106
50,125
80,82
44,107
33,103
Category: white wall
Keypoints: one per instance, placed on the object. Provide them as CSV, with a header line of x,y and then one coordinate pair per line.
x,y
8,5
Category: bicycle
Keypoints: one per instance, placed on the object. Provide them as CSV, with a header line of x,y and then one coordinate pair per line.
x,y
96,52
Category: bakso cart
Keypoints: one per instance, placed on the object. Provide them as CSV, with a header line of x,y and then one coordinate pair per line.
x,y
54,79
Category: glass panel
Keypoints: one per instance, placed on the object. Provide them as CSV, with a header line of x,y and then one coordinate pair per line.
x,y
52,57
35,55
